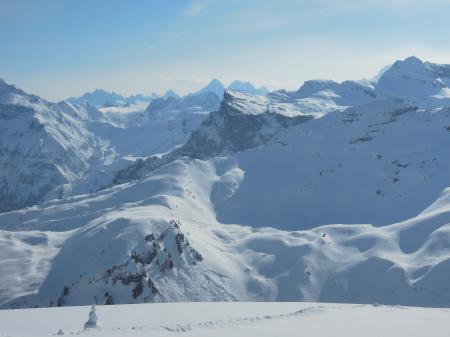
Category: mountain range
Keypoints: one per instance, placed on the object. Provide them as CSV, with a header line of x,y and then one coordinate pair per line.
x,y
100,98
335,192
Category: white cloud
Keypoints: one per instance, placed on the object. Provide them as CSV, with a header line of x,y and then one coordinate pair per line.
x,y
197,7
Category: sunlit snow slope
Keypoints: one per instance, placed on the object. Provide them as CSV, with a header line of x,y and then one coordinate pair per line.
x,y
230,319
265,201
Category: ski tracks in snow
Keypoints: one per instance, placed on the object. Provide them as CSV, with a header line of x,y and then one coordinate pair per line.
x,y
214,324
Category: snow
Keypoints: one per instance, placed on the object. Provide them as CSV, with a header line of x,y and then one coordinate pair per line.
x,y
55,150
44,146
114,110
338,192
230,319
33,252
423,83
444,93
401,263
342,150
247,104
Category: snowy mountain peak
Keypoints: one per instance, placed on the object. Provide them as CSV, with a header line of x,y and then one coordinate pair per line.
x,y
215,86
409,66
99,91
101,98
98,98
413,60
424,83
328,95
6,88
312,87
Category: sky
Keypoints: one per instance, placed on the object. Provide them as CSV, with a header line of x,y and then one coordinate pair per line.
x,y
62,48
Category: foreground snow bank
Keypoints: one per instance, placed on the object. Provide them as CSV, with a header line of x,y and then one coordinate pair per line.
x,y
230,319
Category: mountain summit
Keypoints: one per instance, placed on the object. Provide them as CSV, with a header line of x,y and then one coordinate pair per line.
x,y
425,83
215,86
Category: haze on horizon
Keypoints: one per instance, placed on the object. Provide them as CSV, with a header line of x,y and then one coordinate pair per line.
x,y
58,49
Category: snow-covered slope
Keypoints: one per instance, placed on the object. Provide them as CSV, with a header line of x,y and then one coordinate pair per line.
x,y
242,122
330,170
424,83
336,192
230,319
162,238
158,240
43,146
319,97
50,150
144,126
165,124
347,93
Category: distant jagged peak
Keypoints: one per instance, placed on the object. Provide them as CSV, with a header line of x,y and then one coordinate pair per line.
x,y
102,93
215,86
10,94
5,87
170,93
413,60
312,87
409,65
100,98
215,83
247,87
98,91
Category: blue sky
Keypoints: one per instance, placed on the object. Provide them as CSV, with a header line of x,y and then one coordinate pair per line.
x,y
61,48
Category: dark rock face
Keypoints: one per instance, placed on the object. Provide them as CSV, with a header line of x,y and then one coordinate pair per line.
x,y
229,131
